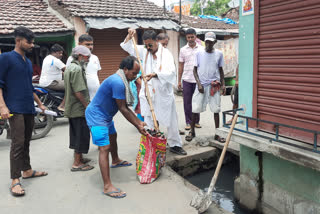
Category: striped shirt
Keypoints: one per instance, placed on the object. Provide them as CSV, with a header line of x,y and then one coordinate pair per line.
x,y
187,56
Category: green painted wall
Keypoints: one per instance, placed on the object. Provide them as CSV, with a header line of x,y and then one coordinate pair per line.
x,y
69,40
246,38
249,162
299,180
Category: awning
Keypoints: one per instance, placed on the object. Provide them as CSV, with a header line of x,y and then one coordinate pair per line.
x,y
123,23
216,31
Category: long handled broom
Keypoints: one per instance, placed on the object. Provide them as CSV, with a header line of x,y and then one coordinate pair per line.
x,y
202,201
156,127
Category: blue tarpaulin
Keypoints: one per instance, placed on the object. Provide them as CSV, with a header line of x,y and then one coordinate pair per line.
x,y
225,20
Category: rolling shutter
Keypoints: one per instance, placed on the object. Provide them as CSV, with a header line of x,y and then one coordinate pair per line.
x,y
107,48
288,87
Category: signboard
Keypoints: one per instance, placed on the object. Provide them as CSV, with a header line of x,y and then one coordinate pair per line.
x,y
247,7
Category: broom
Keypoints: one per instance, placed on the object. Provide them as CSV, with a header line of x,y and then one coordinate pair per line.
x,y
202,201
156,127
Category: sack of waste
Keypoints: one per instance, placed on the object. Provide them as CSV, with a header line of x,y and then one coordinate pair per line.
x,y
151,157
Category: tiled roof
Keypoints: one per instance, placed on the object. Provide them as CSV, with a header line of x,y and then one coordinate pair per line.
x,y
29,13
197,22
113,8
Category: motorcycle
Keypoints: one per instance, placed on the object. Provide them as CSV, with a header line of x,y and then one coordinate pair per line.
x,y
51,99
42,126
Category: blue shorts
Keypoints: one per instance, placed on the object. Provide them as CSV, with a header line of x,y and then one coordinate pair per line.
x,y
100,134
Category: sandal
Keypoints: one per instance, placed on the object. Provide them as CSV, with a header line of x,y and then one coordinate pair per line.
x,y
84,167
115,196
15,194
181,132
197,125
190,136
219,139
35,176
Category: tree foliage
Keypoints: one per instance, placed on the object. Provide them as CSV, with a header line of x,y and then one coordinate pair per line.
x,y
216,8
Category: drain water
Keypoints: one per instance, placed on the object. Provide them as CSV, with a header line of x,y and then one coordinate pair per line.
x,y
223,194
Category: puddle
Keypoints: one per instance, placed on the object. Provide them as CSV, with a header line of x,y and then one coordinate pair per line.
x,y
224,188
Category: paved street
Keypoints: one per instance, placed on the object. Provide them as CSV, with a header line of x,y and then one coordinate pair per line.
x,y
63,191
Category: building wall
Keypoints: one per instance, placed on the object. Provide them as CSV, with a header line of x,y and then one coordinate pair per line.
x,y
246,45
174,47
79,27
270,184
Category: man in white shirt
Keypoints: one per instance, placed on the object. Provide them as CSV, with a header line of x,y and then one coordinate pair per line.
x,y
209,76
52,71
160,71
93,66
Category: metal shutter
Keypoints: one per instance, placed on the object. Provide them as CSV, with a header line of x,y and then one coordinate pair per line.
x,y
288,65
107,48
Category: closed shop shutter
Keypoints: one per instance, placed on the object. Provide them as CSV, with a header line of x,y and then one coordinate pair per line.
x,y
107,48
288,65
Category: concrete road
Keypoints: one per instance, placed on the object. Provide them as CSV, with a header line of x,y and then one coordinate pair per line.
x,y
63,191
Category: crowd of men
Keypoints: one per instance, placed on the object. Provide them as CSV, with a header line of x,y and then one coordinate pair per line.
x,y
90,107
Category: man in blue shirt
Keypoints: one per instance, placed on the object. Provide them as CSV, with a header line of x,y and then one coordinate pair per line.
x,y
114,94
17,98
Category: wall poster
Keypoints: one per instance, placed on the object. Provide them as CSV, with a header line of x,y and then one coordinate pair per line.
x,y
247,7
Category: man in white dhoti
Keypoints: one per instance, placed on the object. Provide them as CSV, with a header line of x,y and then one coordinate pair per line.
x,y
160,71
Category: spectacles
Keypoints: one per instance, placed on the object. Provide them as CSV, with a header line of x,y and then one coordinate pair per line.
x,y
148,45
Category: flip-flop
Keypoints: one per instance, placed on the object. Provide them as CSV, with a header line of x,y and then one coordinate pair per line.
x,y
82,168
113,196
190,136
14,193
121,164
35,176
220,139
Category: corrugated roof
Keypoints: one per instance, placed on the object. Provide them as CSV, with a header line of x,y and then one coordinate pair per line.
x,y
29,13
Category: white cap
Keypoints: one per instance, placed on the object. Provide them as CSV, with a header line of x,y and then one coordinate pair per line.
x,y
210,36
81,50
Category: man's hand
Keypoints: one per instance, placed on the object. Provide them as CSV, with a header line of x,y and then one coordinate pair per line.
x,y
131,32
5,113
201,89
179,86
150,76
141,129
42,107
223,89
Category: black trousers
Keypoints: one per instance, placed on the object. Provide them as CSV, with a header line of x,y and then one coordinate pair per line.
x,y
79,135
21,126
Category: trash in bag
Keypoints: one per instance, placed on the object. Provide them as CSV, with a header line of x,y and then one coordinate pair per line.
x,y
151,156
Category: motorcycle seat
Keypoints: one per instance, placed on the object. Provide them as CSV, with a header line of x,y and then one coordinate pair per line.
x,y
55,93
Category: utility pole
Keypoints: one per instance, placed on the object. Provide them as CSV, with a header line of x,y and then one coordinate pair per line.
x,y
164,6
201,6
180,11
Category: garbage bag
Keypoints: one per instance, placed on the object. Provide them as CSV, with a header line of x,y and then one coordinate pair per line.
x,y
151,158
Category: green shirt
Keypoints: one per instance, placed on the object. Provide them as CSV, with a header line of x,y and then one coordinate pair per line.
x,y
75,81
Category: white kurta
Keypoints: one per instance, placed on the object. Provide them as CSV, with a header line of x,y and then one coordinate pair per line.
x,y
161,90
